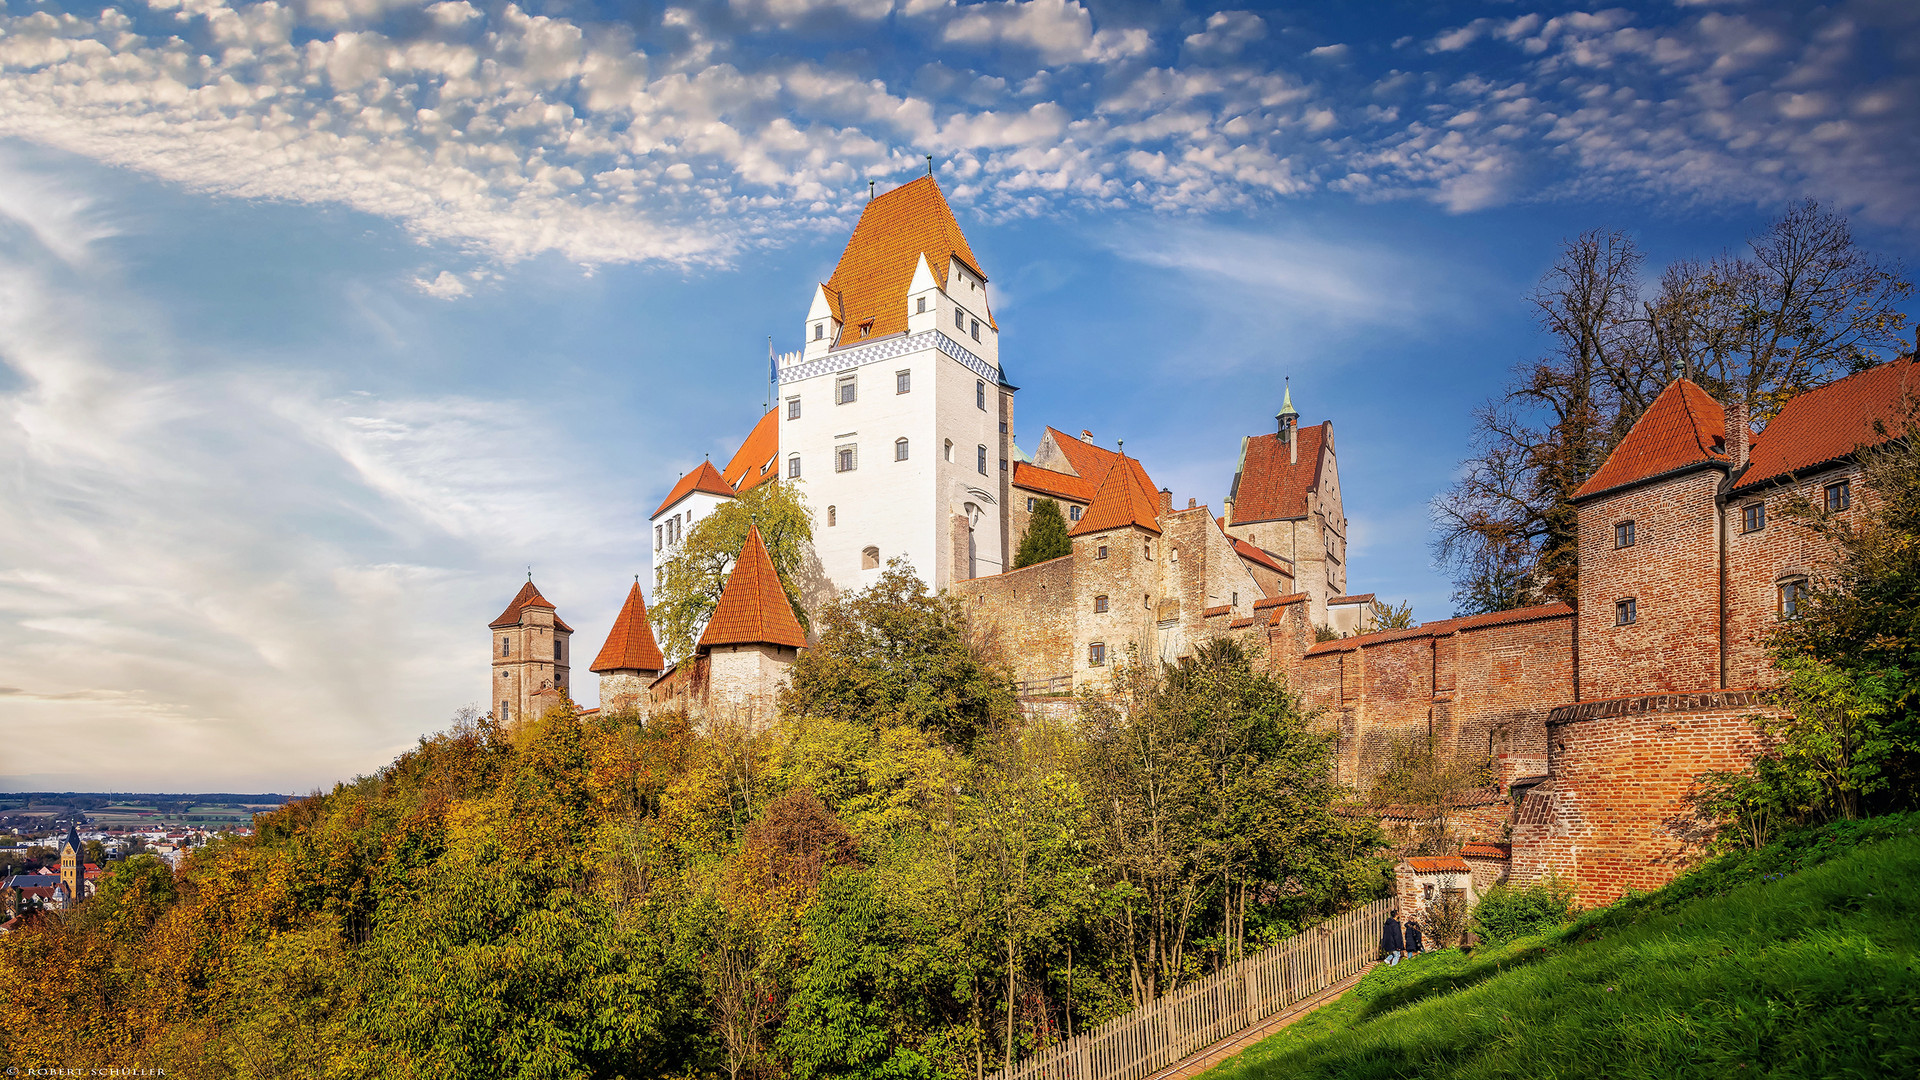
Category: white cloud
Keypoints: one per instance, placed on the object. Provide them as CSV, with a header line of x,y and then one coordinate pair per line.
x,y
445,286
1227,33
1061,31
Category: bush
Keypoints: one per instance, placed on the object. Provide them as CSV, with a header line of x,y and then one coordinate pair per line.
x,y
1506,912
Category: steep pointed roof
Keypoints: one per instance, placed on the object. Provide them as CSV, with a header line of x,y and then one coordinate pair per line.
x,y
753,609
630,644
705,478
876,269
1828,424
73,837
1126,497
756,462
1683,427
527,597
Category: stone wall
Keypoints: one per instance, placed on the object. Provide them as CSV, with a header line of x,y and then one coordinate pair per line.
x,y
1614,813
1025,618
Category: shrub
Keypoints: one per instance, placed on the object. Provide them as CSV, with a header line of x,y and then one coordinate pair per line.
x,y
1507,912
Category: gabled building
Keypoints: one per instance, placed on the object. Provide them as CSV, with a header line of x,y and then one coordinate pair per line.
x,y
531,657
695,495
1285,500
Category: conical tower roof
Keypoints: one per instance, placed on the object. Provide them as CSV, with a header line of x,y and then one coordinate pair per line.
x,y
1286,403
753,610
1125,498
630,644
527,597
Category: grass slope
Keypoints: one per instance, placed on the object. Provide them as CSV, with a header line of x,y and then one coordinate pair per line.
x,y
1797,961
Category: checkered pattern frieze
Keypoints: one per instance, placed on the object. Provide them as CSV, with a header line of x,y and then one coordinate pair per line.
x,y
883,351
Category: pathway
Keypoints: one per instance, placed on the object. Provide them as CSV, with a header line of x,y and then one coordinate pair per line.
x,y
1201,1060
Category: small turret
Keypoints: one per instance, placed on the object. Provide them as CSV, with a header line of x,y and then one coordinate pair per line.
x,y
1287,419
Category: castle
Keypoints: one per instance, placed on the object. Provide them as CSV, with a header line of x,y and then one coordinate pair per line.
x,y
896,420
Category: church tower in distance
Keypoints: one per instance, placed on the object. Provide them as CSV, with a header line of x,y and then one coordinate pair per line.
x,y
532,655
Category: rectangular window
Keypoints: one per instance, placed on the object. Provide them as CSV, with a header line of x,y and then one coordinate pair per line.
x,y
1792,595
793,408
1003,427
659,537
819,331
846,390
922,309
1029,504
1623,534
1838,497
1073,513
899,449
976,329
1753,517
1102,553
506,646
1099,603
981,463
1003,464
902,382
843,459
980,395
556,650
959,319
1097,654
793,467
1625,612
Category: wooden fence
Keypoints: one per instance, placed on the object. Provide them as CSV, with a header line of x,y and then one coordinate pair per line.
x,y
1217,1007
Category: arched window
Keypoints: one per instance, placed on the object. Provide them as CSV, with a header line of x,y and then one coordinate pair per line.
x,y
870,558
899,449
983,461
793,467
833,516
949,449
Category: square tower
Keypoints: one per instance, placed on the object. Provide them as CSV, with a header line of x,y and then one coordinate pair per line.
x,y
532,656
895,418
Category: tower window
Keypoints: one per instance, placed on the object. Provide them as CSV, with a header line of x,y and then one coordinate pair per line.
x,y
921,309
1097,654
976,329
793,408
819,331
844,459
899,449
982,461
1003,464
980,394
505,713
659,537
846,390
833,516
1626,612
1146,552
1099,604
793,467
505,674
870,558
902,382
1623,534
1839,497
1753,517
506,646
959,319
949,450
556,650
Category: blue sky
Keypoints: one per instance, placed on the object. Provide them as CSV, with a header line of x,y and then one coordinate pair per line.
x,y
320,321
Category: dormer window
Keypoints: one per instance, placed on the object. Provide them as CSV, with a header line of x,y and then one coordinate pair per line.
x,y
819,331
922,308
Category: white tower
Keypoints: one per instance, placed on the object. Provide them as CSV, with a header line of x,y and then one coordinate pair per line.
x,y
895,417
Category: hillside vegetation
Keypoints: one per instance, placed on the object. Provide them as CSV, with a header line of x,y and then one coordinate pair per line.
x,y
1793,961
899,878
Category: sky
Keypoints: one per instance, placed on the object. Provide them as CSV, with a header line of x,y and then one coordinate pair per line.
x,y
322,321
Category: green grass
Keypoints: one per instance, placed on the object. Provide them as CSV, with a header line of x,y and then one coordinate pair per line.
x,y
1797,961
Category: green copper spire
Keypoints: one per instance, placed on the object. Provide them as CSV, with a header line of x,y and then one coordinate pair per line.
x,y
1286,405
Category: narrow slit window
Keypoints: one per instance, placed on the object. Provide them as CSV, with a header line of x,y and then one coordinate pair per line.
x,y
982,461
899,449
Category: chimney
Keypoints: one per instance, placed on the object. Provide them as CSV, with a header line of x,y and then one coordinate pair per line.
x,y
1086,435
1738,433
1293,447
1166,500
1191,503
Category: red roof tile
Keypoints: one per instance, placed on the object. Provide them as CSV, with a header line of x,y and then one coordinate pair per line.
x,y
1825,425
876,269
1089,462
1238,623
1683,427
1554,610
1439,864
1253,554
527,597
753,609
705,478
1057,484
1266,602
1125,499
1281,604
1356,598
1486,851
1215,612
758,459
630,644
1273,486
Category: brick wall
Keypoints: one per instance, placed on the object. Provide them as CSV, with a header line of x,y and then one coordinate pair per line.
x,y
1614,815
1025,618
1757,562
1671,572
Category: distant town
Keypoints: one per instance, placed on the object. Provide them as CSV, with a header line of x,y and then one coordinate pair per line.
x,y
110,826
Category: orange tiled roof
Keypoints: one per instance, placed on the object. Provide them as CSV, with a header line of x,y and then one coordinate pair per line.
x,y
1089,462
1683,427
1240,623
1281,604
1825,425
876,269
1439,627
1356,598
1273,486
1047,482
1125,498
753,609
527,597
1253,554
630,644
1266,602
1486,851
1439,864
758,459
705,478
1215,612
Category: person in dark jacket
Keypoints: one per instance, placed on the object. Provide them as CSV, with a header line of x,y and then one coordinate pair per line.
x,y
1414,944
1390,940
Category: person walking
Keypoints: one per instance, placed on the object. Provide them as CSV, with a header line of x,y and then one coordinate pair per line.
x,y
1390,940
1414,944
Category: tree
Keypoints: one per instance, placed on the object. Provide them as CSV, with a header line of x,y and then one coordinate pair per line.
x,y
1422,783
1046,536
1388,617
895,654
693,579
96,853
1802,306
